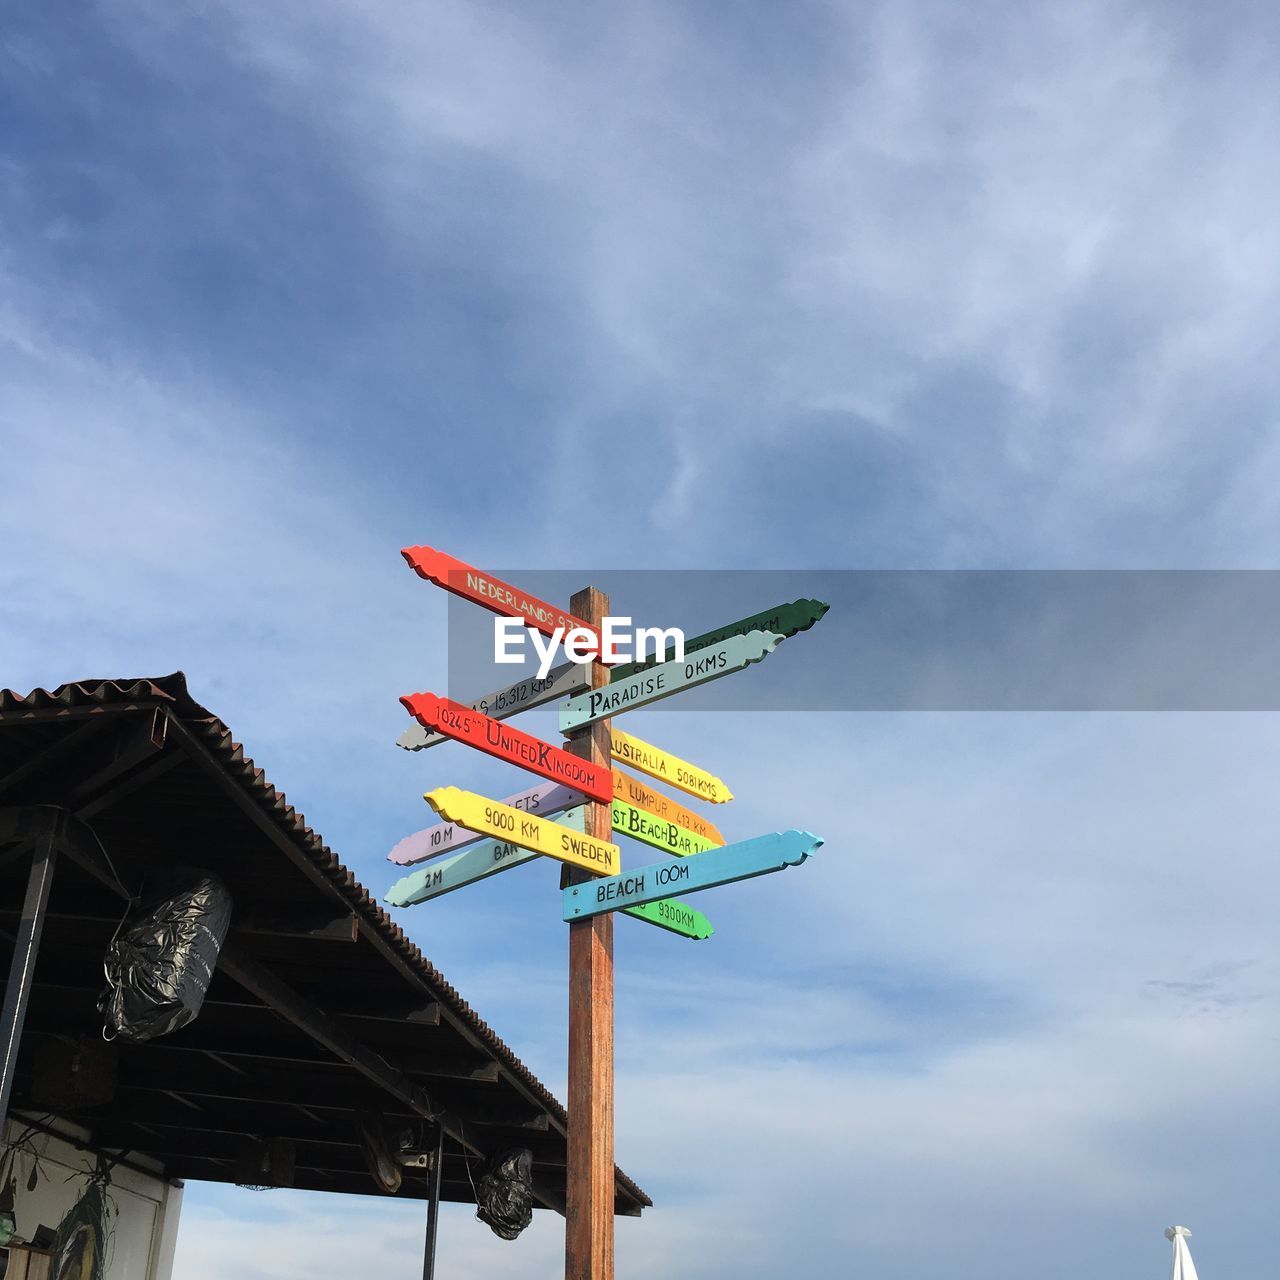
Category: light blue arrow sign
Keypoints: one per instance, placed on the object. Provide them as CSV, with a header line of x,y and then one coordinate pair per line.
x,y
662,681
699,871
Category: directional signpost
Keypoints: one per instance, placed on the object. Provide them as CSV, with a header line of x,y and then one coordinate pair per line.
x,y
786,620
667,768
490,857
502,822
501,704
500,740
707,870
668,678
484,837
544,800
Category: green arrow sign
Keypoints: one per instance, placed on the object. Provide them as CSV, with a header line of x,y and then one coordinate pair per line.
x,y
785,620
669,677
741,861
659,832
667,913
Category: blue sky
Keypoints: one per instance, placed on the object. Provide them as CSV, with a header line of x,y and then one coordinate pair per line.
x,y
285,287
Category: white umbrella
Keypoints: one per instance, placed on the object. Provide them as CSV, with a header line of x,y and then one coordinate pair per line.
x,y
1183,1267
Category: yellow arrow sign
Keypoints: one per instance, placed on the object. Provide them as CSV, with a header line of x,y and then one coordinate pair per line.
x,y
651,800
501,821
667,768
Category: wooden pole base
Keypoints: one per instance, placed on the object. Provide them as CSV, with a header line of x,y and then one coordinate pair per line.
x,y
589,1209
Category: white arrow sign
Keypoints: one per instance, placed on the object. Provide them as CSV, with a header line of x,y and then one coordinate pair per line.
x,y
667,678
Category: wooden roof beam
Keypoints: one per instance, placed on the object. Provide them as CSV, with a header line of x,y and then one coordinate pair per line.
x,y
281,997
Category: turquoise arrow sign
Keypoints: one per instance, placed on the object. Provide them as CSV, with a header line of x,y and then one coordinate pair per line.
x,y
699,871
667,678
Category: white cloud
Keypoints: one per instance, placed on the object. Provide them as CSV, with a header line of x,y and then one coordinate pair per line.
x,y
281,1235
1030,983
1061,203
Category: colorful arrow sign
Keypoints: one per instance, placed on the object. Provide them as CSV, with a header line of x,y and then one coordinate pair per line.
x,y
659,832
651,800
642,822
505,823
502,704
472,865
707,870
448,837
675,917
490,857
491,593
669,677
667,768
486,734
785,620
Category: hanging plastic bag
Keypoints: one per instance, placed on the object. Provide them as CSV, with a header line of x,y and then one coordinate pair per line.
x,y
505,1194
160,967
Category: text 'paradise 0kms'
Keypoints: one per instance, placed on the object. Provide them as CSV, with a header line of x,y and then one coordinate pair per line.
x,y
652,684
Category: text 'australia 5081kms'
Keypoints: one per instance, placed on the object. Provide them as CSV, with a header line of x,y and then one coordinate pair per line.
x,y
681,774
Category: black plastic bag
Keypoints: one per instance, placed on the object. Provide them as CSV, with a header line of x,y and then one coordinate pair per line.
x,y
505,1194
160,966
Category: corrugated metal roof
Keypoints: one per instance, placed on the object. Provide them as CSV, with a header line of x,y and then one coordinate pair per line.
x,y
171,692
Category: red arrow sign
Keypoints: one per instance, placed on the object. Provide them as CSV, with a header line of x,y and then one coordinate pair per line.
x,y
501,740
492,593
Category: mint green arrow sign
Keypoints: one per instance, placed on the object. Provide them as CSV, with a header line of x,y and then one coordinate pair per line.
x,y
472,865
667,678
489,857
739,861
785,620
639,824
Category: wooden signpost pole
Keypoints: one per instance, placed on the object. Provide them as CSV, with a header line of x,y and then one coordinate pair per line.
x,y
588,1251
